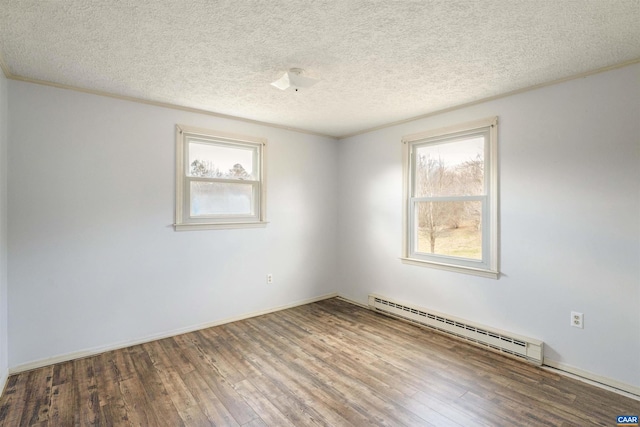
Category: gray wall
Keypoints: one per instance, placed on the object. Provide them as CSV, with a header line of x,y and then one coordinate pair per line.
x,y
570,222
93,258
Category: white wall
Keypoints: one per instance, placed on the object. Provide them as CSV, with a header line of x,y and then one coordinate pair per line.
x,y
4,124
93,258
570,222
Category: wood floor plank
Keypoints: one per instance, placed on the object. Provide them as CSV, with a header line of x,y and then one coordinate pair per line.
x,y
86,392
178,392
61,411
489,411
204,343
299,395
62,373
207,400
229,348
107,381
256,423
205,363
224,391
157,396
383,411
174,348
37,396
446,409
329,363
320,392
269,414
377,367
137,408
119,364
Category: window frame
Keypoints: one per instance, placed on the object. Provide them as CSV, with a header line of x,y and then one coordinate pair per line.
x,y
489,266
183,218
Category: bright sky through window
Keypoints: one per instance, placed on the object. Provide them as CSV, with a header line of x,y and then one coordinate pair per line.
x,y
224,158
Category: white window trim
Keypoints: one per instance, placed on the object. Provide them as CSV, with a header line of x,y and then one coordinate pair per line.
x,y
181,217
492,271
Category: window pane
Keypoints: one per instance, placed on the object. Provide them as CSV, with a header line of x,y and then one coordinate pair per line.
x,y
221,198
450,169
449,228
221,161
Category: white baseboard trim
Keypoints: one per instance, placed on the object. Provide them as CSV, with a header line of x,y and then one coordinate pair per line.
x,y
102,349
594,379
567,370
350,301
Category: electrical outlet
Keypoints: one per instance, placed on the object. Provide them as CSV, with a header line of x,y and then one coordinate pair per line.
x,y
269,278
577,320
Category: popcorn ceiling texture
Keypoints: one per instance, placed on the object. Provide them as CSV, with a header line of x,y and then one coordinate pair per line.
x,y
378,61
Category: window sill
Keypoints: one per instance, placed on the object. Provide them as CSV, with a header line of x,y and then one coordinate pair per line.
x,y
218,226
449,267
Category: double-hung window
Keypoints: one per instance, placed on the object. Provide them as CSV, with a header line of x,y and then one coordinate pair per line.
x,y
451,198
219,180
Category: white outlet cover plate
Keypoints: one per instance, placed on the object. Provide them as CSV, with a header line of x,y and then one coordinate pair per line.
x,y
577,320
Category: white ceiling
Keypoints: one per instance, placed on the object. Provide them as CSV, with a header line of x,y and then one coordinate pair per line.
x,y
378,61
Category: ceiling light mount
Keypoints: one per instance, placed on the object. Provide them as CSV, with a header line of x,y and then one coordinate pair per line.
x,y
293,80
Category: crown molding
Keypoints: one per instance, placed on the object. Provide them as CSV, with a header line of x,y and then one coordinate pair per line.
x,y
9,75
164,105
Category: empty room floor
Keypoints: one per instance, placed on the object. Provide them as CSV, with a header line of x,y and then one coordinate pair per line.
x,y
329,363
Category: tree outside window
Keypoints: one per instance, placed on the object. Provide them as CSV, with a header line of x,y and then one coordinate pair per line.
x,y
451,199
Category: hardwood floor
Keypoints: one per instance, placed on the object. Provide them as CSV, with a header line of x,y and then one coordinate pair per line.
x,y
329,363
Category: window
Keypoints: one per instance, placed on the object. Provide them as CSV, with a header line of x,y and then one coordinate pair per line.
x,y
451,198
219,180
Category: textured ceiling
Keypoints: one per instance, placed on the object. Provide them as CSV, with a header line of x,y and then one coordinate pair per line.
x,y
378,61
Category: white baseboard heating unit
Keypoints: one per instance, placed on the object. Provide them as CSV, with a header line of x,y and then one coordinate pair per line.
x,y
526,348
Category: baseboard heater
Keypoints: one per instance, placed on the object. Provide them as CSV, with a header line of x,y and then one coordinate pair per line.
x,y
505,342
